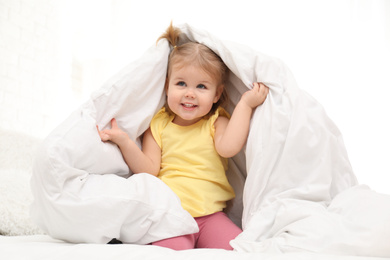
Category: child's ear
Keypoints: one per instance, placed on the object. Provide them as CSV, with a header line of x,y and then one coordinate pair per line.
x,y
218,93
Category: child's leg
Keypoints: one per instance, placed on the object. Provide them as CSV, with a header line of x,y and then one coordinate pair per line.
x,y
216,231
177,243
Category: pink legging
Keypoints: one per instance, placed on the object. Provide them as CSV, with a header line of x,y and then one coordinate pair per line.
x,y
215,231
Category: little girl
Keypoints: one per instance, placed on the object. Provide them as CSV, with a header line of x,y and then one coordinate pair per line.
x,y
190,138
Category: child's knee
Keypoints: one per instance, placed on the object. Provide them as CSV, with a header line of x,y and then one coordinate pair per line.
x,y
217,231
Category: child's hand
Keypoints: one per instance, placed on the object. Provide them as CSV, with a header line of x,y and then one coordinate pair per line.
x,y
256,96
115,134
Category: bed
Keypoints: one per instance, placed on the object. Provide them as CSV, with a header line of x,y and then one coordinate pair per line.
x,y
43,247
296,194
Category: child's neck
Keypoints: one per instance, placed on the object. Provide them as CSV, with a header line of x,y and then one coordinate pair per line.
x,y
182,122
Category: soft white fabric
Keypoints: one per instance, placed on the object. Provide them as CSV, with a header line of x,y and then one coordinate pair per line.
x,y
79,183
16,155
45,248
298,194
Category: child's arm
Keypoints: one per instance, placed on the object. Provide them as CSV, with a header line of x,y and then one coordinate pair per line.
x,y
231,135
146,160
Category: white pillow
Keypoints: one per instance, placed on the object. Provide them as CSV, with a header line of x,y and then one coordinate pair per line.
x,y
16,155
15,202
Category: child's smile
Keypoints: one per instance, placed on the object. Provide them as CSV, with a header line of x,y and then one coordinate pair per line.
x,y
189,106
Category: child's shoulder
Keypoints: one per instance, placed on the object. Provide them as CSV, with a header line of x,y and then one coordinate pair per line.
x,y
221,116
160,120
222,112
161,115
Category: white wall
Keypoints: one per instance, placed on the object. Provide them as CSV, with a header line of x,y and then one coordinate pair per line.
x,y
29,63
54,53
52,56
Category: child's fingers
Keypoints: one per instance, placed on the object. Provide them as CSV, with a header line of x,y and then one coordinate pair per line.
x,y
256,86
102,134
266,90
99,132
114,123
263,89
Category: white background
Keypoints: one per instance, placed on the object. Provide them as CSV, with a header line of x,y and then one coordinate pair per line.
x,y
338,50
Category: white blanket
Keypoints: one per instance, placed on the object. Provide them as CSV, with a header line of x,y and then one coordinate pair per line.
x,y
297,195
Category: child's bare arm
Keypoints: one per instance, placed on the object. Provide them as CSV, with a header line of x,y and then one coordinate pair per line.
x,y
146,160
231,135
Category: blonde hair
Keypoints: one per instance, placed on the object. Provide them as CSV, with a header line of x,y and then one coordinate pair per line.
x,y
196,54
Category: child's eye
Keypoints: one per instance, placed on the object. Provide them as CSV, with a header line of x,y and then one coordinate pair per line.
x,y
201,86
181,83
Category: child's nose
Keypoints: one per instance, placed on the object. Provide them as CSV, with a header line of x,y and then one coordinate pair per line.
x,y
189,93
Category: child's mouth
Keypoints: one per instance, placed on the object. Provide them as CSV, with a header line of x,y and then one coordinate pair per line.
x,y
186,105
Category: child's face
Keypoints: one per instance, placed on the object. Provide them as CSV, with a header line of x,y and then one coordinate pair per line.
x,y
191,93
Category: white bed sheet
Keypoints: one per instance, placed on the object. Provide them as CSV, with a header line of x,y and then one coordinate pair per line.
x,y
43,247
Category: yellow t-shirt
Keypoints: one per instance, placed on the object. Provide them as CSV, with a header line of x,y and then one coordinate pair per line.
x,y
190,165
